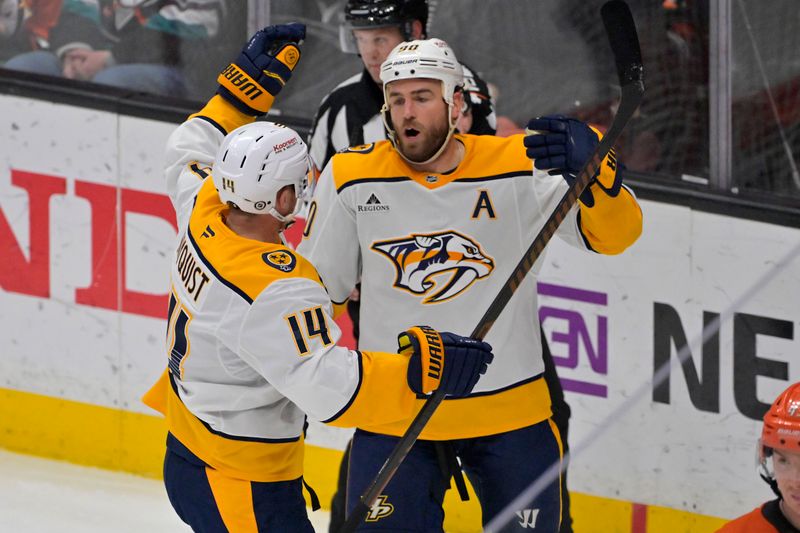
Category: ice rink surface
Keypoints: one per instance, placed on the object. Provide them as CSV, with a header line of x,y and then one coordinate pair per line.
x,y
41,496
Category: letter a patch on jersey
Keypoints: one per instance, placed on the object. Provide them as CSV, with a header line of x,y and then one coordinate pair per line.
x,y
484,203
438,266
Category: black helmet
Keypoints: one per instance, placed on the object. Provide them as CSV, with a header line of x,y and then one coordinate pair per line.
x,y
478,98
377,13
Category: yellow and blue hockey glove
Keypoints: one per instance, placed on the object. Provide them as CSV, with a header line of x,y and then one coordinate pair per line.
x,y
443,360
263,67
562,145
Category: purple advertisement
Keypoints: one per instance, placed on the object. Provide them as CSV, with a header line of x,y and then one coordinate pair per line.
x,y
576,327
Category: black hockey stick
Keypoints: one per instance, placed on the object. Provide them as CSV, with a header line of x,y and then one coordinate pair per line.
x,y
624,41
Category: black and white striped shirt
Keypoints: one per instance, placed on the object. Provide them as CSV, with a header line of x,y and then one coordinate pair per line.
x,y
349,115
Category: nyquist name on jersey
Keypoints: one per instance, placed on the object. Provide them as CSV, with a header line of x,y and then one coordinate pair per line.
x,y
189,271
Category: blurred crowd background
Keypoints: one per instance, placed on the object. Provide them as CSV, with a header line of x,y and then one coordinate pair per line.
x,y
721,112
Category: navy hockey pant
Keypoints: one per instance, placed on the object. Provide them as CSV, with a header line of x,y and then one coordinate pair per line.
x,y
211,502
499,467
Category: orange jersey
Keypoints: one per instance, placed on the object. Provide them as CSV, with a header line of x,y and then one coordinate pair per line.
x,y
765,519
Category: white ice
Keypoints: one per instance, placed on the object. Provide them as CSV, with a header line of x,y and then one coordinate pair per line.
x,y
41,496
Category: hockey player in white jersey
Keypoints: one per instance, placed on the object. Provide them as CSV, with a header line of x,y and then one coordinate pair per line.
x,y
251,344
433,222
350,115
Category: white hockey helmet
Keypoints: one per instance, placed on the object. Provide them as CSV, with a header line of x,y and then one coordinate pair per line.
x,y
422,59
257,160
429,58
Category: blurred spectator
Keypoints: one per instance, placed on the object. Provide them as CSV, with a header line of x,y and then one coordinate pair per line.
x,y
639,145
26,24
669,133
145,45
680,75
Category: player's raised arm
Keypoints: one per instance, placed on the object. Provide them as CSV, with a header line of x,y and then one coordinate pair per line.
x,y
247,89
251,82
610,217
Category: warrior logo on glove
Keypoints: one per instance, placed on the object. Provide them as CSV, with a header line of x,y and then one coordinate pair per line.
x,y
431,350
443,360
241,82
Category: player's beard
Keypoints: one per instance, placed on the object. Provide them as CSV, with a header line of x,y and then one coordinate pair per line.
x,y
425,144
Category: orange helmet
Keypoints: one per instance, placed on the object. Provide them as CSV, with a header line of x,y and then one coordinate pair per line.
x,y
782,421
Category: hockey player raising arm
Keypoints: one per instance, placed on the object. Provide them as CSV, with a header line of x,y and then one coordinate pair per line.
x,y
433,222
251,344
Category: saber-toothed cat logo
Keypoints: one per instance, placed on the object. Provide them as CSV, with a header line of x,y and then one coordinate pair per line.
x,y
420,258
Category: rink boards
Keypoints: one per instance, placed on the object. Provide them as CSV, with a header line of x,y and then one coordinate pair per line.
x,y
86,233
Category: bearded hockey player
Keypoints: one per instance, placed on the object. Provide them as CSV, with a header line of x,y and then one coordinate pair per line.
x,y
351,115
432,222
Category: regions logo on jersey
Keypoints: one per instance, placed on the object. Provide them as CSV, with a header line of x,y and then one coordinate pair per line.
x,y
282,260
439,266
372,205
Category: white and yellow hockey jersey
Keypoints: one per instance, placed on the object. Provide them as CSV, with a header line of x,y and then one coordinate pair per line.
x,y
436,248
251,344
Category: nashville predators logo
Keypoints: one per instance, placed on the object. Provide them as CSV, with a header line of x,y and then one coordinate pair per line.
x,y
380,509
282,260
439,266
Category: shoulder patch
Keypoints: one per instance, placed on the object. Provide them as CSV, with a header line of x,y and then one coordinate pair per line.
x,y
361,148
282,260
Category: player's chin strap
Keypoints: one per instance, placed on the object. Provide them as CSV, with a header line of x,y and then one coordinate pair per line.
x,y
764,471
772,484
387,123
288,220
768,478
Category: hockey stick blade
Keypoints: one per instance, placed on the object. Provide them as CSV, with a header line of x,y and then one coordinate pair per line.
x,y
622,36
